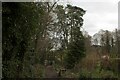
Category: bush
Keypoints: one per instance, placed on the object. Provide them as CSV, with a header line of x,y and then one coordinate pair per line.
x,y
84,74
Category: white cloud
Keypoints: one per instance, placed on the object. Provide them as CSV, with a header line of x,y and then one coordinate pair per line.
x,y
100,14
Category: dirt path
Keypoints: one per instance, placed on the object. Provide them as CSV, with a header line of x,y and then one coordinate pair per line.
x,y
50,72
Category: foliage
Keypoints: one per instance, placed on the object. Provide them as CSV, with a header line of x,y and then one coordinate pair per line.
x,y
20,21
37,32
76,45
75,53
84,74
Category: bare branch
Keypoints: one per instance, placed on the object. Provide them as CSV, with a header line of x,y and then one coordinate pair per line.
x,y
52,6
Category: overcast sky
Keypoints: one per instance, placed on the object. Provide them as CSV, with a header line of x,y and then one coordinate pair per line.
x,y
100,14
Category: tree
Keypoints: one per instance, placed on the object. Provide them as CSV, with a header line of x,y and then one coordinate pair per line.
x,y
76,45
107,43
102,40
21,23
88,42
32,34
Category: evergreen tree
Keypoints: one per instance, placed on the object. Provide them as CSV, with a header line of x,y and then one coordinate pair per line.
x,y
76,49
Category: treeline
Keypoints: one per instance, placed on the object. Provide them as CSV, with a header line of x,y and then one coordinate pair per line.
x,y
102,55
109,41
35,33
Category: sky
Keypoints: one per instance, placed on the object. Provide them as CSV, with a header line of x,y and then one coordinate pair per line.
x,y
100,14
